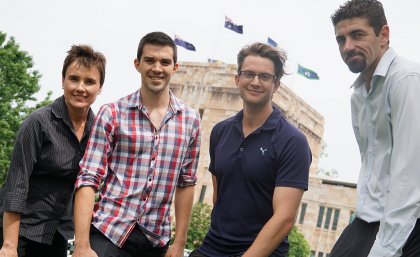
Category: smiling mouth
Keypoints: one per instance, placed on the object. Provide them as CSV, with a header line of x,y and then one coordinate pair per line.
x,y
156,77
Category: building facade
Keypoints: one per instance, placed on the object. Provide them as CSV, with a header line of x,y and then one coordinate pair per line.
x,y
210,88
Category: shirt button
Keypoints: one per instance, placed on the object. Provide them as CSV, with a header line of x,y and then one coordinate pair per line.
x,y
241,149
144,198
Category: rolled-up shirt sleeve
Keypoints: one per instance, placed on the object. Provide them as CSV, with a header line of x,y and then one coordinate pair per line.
x,y
402,208
187,175
94,164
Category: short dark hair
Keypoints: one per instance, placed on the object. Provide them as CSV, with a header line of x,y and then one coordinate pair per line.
x,y
85,55
157,38
266,51
372,10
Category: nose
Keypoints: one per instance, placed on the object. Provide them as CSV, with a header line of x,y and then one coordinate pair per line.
x,y
256,80
80,86
157,67
348,45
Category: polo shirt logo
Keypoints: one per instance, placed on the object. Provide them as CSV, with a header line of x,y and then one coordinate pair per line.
x,y
262,150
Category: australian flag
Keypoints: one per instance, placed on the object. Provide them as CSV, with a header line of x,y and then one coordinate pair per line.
x,y
180,42
232,26
307,73
271,42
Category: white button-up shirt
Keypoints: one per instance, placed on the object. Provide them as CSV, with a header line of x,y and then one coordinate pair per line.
x,y
386,122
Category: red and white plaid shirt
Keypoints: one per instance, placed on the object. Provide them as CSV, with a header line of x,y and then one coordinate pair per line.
x,y
139,166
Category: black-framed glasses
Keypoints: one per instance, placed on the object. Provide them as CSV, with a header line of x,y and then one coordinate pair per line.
x,y
250,75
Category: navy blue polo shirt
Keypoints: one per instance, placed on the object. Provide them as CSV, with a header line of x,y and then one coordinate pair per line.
x,y
247,171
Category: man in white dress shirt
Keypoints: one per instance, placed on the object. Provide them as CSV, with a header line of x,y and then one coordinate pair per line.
x,y
386,121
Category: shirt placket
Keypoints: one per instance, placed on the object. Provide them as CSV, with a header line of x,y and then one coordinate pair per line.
x,y
369,159
152,167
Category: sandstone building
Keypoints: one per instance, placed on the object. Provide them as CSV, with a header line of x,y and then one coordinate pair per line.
x,y
326,207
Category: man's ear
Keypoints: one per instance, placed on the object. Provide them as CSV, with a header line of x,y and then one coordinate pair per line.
x,y
384,35
276,84
236,79
175,69
137,64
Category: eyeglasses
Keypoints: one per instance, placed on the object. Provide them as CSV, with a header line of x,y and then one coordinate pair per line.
x,y
250,75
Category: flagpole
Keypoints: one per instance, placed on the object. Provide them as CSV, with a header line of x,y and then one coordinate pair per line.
x,y
292,83
292,80
216,43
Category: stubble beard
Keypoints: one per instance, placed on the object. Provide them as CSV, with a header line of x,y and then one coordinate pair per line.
x,y
356,66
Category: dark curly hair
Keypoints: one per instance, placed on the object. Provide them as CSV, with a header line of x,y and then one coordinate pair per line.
x,y
372,10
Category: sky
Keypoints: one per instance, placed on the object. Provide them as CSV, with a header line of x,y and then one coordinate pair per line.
x,y
47,28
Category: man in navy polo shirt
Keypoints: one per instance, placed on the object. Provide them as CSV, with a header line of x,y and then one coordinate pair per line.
x,y
260,166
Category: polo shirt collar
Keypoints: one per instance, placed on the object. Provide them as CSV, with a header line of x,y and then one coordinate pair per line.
x,y
270,124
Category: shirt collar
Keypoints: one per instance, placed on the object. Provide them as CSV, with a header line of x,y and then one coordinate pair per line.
x,y
59,109
381,69
269,124
175,104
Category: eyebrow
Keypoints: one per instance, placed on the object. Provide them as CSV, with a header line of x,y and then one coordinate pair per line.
x,y
164,60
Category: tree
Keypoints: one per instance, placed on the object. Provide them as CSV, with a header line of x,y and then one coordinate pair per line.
x,y
333,173
18,84
199,225
299,247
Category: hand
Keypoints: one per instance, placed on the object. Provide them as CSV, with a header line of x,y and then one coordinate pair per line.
x,y
82,252
4,252
175,250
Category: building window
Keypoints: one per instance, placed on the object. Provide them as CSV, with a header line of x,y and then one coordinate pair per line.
x,y
302,213
335,221
202,193
352,216
320,254
201,111
320,216
328,218
312,254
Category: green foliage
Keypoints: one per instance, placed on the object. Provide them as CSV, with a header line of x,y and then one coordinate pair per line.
x,y
299,247
199,225
18,84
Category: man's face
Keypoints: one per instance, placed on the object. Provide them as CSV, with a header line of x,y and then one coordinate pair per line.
x,y
255,90
359,47
156,67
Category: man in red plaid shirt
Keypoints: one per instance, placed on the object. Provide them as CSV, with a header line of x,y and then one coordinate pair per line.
x,y
143,150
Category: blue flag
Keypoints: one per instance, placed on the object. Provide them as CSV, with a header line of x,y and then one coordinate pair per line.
x,y
232,26
271,42
307,73
184,44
